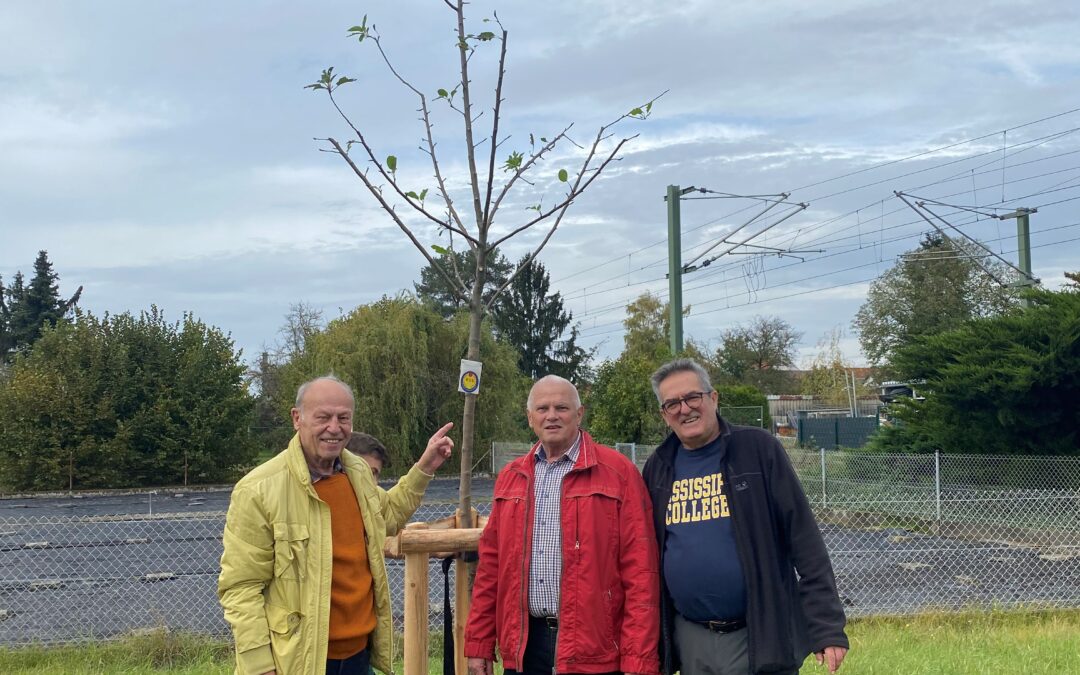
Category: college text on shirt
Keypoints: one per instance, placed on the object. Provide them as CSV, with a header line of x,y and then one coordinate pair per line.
x,y
698,499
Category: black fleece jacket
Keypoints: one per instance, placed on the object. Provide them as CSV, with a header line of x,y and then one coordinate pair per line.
x,y
788,616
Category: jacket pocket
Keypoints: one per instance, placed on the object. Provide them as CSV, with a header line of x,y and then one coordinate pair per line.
x,y
290,549
281,621
287,641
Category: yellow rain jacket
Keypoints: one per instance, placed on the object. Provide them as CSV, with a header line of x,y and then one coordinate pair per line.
x,y
276,568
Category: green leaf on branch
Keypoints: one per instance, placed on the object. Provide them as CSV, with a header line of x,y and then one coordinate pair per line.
x,y
441,250
563,175
637,112
391,163
326,80
486,36
412,195
423,194
344,80
513,162
360,32
443,93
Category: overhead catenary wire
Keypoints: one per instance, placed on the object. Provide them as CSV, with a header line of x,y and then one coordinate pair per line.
x,y
813,227
594,291
593,332
826,232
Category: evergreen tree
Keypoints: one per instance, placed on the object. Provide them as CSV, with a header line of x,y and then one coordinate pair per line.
x,y
999,385
532,319
434,289
27,308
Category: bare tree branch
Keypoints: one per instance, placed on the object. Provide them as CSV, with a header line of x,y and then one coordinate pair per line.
x,y
536,156
388,177
455,284
495,130
466,105
575,190
426,116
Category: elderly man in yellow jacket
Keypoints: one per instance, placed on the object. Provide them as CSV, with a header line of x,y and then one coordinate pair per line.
x,y
303,581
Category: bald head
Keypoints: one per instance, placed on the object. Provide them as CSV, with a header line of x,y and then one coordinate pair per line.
x,y
321,385
554,411
548,382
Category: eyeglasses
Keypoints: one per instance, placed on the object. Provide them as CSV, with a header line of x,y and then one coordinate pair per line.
x,y
692,401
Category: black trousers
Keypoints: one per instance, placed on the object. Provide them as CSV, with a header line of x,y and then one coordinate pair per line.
x,y
357,664
540,650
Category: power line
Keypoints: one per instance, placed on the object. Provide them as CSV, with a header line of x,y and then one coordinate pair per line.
x,y
587,332
932,151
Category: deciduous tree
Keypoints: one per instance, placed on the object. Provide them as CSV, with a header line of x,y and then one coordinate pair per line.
x,y
125,401
402,360
933,288
496,167
758,354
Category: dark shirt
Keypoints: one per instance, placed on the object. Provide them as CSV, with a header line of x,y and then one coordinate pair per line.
x,y
701,563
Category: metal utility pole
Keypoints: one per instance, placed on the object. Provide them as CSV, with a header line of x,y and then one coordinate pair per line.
x,y
674,228
1023,239
1023,246
676,269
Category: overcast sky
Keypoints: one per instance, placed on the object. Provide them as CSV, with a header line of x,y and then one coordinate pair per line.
x,y
163,152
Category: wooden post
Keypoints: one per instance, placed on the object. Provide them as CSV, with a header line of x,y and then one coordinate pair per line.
x,y
462,600
416,613
417,543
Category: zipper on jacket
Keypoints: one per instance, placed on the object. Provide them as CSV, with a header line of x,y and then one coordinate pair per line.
x,y
577,547
526,554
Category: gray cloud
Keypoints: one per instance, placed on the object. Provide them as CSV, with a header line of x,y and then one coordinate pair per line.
x,y
163,152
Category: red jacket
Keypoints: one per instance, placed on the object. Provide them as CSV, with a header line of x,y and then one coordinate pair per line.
x,y
610,589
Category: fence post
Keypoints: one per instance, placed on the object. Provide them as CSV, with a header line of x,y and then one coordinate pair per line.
x,y
823,493
937,485
633,453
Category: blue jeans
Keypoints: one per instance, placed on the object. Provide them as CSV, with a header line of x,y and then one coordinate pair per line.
x,y
357,664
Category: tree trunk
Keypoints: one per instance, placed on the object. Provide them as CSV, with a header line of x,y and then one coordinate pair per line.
x,y
468,421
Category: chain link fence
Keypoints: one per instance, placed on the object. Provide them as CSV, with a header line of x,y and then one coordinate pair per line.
x,y
905,532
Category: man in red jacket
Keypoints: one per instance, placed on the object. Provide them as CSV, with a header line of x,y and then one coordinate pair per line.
x,y
568,578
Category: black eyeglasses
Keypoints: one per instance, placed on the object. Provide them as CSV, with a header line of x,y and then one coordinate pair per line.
x,y
692,401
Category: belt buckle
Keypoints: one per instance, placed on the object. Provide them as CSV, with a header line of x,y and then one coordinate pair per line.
x,y
552,622
725,626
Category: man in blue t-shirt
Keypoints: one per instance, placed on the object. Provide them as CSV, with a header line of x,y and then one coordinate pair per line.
x,y
747,583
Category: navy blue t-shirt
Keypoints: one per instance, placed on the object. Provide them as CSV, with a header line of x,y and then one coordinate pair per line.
x,y
701,564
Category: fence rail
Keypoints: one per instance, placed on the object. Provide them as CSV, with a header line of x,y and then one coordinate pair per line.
x,y
905,532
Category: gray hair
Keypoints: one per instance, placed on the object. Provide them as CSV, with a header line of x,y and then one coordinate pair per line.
x,y
302,390
679,366
553,378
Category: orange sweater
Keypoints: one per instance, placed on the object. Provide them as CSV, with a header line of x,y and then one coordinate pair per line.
x,y
352,597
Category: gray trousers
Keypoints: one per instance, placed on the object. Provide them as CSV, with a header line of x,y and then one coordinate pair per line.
x,y
705,652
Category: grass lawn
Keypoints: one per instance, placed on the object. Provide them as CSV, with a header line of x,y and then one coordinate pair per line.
x,y
996,643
